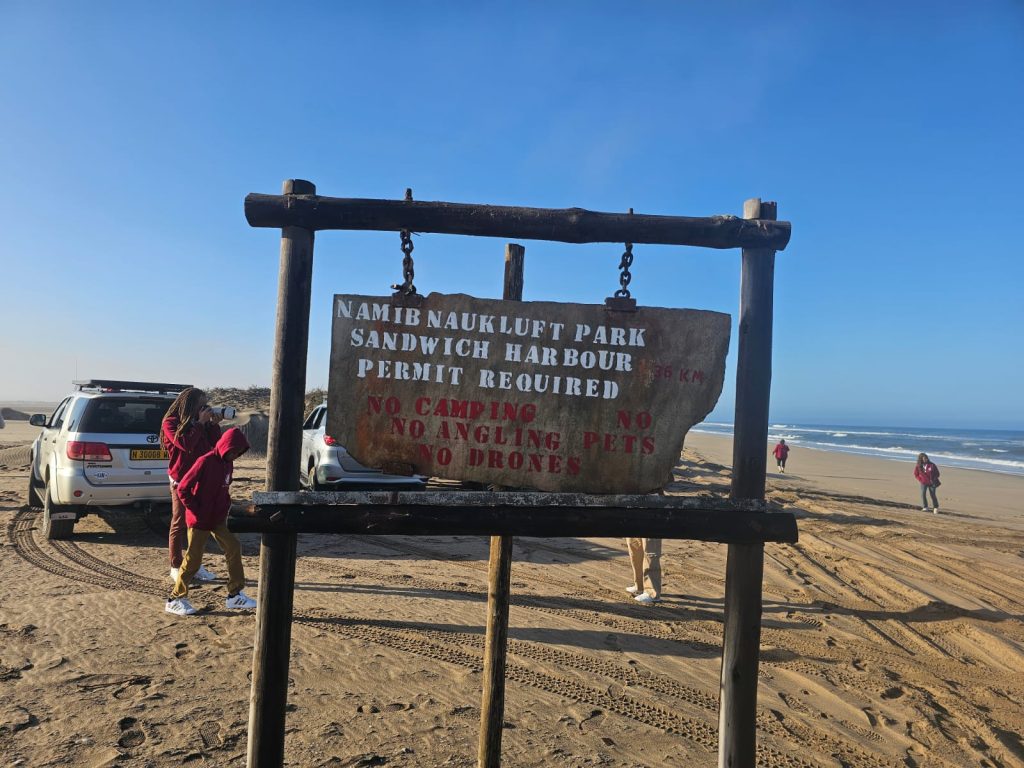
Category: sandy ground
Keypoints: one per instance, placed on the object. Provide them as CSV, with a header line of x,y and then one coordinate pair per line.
x,y
890,637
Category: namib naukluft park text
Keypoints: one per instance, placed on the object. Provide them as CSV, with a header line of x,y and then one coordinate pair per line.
x,y
527,394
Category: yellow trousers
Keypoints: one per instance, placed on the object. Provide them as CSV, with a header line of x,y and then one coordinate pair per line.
x,y
194,558
645,557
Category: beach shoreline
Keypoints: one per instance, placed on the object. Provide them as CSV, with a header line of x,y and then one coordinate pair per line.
x,y
993,496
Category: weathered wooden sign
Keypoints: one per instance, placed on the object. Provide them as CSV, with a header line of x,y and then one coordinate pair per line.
x,y
556,397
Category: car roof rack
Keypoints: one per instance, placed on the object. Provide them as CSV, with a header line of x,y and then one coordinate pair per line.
x,y
112,385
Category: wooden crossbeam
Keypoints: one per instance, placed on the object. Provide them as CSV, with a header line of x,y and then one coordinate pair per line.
x,y
566,225
516,514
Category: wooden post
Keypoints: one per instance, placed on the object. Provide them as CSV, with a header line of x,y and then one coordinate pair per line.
x,y
515,260
272,647
737,730
499,576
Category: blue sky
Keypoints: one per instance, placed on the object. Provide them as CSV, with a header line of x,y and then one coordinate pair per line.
x,y
891,138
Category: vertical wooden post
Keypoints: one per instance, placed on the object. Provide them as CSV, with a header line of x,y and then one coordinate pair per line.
x,y
271,651
499,576
737,730
515,259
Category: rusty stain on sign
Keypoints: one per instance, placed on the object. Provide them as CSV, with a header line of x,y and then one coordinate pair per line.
x,y
542,395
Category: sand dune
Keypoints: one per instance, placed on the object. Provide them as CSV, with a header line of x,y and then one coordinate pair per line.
x,y
890,638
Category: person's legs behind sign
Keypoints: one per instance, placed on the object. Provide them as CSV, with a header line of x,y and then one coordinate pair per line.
x,y
635,548
645,560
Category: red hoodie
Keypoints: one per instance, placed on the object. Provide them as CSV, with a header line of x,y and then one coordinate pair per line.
x,y
927,474
204,488
196,440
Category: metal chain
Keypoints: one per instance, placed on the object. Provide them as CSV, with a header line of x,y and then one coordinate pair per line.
x,y
408,270
625,277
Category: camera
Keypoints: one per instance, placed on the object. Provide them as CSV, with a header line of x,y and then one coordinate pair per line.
x,y
224,411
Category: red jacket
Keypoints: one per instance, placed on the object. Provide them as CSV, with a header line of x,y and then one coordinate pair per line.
x,y
927,475
204,488
196,440
781,451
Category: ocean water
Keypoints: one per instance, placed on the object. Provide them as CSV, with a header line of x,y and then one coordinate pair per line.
x,y
992,450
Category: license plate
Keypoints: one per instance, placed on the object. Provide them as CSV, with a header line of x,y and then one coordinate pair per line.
x,y
63,516
147,454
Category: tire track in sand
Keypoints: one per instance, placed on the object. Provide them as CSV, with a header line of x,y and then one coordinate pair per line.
x,y
74,563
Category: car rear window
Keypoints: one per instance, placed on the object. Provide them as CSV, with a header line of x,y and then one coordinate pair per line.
x,y
124,415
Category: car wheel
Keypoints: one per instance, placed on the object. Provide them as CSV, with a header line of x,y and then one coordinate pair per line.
x,y
55,529
311,481
35,501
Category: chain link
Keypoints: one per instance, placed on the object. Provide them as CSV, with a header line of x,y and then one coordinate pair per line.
x,y
625,277
408,269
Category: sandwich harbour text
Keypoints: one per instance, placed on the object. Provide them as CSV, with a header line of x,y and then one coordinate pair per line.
x,y
513,352
497,434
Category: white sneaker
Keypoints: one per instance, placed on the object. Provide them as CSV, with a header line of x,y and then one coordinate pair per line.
x,y
180,606
645,599
633,589
201,575
240,602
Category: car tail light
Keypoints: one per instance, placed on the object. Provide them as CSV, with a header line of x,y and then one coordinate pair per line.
x,y
328,440
88,451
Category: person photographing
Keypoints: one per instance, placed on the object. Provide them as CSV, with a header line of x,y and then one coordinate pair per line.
x,y
204,490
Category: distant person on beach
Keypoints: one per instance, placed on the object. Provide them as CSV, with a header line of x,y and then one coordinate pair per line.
x,y
927,475
645,559
189,430
781,452
205,492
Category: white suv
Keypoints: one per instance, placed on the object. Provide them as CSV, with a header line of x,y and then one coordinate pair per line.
x,y
328,467
99,448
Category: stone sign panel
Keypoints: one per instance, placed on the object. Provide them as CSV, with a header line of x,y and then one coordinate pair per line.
x,y
554,397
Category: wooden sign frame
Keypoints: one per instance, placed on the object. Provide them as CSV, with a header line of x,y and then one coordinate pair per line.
x,y
742,521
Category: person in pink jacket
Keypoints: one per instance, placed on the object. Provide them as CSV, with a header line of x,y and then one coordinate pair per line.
x,y
189,430
205,492
927,475
781,453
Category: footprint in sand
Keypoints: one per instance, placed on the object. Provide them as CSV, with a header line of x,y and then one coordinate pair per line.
x,y
131,733
592,721
132,688
209,732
